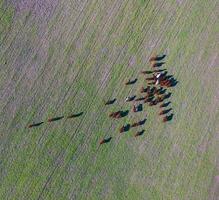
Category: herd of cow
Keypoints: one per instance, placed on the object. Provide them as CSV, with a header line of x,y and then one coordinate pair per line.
x,y
153,94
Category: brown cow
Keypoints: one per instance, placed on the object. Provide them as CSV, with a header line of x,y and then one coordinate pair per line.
x,y
115,114
153,64
150,79
135,124
152,83
134,108
165,119
143,72
151,103
121,130
162,112
142,90
153,58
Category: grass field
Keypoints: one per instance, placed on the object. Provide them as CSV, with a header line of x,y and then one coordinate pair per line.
x,y
59,57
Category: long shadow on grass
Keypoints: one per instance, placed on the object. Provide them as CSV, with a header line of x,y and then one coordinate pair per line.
x,y
55,119
35,125
75,115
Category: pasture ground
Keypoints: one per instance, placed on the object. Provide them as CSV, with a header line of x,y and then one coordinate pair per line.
x,y
60,57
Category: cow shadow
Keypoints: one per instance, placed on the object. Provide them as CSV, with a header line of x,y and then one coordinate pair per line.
x,y
139,108
142,122
110,102
124,113
173,82
132,98
162,91
139,133
159,70
140,99
169,117
126,128
55,119
168,95
35,124
131,82
75,115
159,58
159,64
107,140
166,111
165,104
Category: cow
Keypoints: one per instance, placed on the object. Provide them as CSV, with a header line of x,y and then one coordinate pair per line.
x,y
153,58
115,114
152,103
142,90
135,124
150,79
152,83
134,108
121,130
165,119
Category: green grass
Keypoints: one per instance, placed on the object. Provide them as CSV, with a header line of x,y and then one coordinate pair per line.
x,y
75,60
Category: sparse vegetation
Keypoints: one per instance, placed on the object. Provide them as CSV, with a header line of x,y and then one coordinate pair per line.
x,y
59,59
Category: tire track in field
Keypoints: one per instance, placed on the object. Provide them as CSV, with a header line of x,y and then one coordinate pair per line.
x,y
208,136
51,84
159,136
155,169
47,33
188,91
47,95
48,88
91,122
99,90
82,11
155,46
119,136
